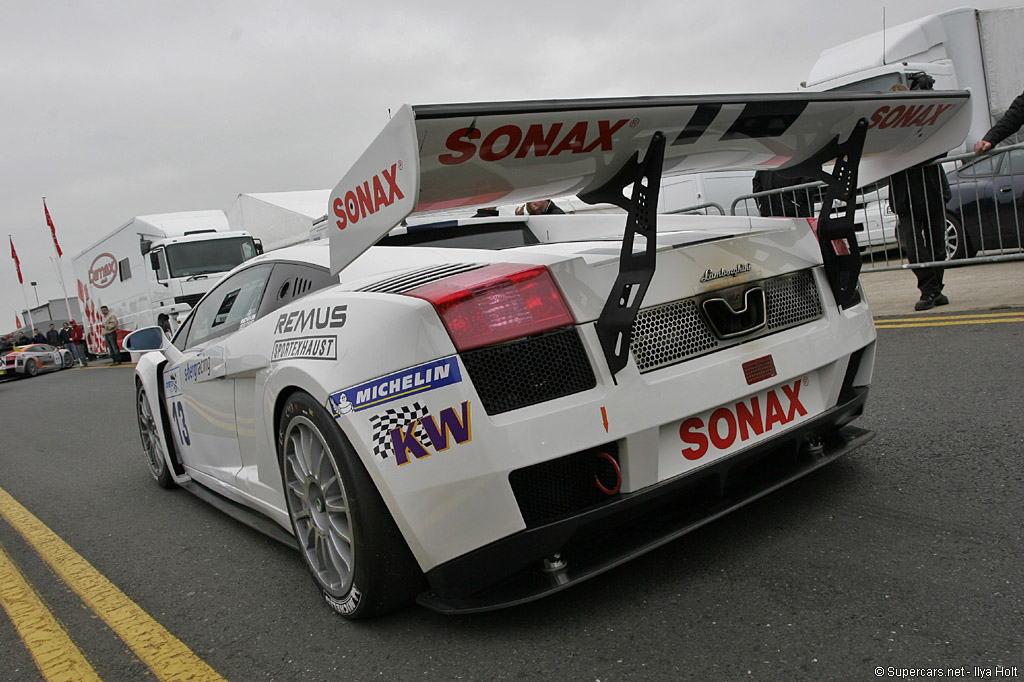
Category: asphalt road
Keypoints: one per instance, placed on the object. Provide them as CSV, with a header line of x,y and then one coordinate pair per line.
x,y
907,553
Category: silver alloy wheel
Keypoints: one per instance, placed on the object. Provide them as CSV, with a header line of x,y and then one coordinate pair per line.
x,y
319,506
150,438
952,240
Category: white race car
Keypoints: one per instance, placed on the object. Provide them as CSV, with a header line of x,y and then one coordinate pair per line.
x,y
31,359
479,412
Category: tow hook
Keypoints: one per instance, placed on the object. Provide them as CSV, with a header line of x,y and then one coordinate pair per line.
x,y
554,566
813,446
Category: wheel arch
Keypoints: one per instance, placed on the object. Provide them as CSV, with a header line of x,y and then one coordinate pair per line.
x,y
147,375
281,401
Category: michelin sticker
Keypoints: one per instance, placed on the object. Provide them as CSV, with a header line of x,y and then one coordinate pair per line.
x,y
306,348
395,386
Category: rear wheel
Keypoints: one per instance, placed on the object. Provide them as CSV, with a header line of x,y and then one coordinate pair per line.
x,y
348,539
151,440
68,360
31,368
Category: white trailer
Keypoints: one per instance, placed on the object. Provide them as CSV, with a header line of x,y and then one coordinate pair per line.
x,y
154,268
972,49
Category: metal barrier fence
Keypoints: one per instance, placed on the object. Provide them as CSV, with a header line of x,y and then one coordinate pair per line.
x,y
981,221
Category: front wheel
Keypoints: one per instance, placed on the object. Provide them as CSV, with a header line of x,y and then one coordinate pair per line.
x,y
151,440
348,539
31,368
957,246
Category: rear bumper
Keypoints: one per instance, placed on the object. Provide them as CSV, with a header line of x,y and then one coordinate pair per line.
x,y
597,540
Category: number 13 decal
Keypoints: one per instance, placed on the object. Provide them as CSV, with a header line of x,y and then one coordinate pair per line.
x,y
178,413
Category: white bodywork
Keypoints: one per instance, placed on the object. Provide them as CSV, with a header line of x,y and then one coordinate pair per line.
x,y
386,367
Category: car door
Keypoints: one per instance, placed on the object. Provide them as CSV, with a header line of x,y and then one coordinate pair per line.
x,y
1009,193
290,281
46,356
199,393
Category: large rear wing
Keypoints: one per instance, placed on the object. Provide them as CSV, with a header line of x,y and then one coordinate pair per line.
x,y
463,155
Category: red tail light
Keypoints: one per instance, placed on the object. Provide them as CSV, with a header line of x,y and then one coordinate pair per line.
x,y
496,303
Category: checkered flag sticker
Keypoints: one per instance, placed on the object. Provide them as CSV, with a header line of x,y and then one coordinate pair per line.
x,y
393,418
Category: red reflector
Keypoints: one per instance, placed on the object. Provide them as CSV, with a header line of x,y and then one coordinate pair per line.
x,y
496,303
759,369
841,246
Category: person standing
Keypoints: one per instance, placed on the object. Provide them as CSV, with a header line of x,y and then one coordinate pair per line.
x,y
39,337
78,344
109,325
1009,123
796,204
918,196
53,336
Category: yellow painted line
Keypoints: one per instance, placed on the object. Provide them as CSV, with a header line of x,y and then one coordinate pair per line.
x,y
56,656
970,316
165,655
942,323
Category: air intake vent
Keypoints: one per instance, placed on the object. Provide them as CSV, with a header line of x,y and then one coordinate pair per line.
x,y
417,278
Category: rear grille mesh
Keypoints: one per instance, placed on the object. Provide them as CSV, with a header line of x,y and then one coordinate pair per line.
x,y
670,333
565,485
530,371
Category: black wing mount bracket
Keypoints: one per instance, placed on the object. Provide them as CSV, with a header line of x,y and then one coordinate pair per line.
x,y
636,268
837,237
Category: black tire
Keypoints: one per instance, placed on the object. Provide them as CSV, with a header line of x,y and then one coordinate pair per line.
x,y
151,446
957,244
31,368
346,535
68,360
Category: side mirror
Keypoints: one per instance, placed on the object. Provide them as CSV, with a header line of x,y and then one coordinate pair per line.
x,y
259,246
151,339
145,245
154,261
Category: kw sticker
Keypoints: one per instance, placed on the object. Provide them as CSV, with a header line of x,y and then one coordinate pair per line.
x,y
403,384
440,432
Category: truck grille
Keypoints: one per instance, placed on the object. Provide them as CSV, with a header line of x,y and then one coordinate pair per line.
x,y
670,333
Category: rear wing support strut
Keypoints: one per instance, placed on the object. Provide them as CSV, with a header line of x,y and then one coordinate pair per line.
x,y
837,237
636,269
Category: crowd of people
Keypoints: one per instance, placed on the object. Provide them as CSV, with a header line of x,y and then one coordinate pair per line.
x,y
71,336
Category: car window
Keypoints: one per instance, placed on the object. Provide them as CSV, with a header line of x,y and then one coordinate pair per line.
x,y
291,281
229,306
983,167
1016,162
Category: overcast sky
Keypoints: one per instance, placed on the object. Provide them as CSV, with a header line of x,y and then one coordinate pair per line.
x,y
117,109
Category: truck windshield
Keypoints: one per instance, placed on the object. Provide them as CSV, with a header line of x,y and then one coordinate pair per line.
x,y
208,256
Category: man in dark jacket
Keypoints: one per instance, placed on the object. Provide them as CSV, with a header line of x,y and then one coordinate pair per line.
x,y
918,196
53,336
1007,125
797,204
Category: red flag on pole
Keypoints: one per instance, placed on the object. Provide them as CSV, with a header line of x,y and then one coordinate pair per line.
x,y
17,321
17,263
53,230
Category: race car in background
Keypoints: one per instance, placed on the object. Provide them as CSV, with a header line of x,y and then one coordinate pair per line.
x,y
478,413
30,360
